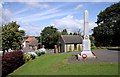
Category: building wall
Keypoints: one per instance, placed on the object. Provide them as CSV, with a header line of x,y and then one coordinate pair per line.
x,y
80,46
62,47
67,46
25,44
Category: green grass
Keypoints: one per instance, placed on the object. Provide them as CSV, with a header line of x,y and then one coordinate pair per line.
x,y
57,64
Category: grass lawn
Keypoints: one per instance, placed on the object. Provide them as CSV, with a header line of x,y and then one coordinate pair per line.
x,y
57,64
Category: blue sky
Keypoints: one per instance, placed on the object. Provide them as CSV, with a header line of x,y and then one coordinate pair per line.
x,y
34,16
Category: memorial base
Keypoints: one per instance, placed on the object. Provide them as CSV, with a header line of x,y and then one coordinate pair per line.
x,y
88,53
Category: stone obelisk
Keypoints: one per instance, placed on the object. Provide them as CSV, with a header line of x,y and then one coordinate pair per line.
x,y
86,41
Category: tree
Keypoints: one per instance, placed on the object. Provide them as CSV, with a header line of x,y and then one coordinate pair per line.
x,y
108,31
11,36
70,33
64,32
49,36
75,33
92,39
22,32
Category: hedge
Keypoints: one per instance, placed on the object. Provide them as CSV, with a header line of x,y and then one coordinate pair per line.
x,y
11,61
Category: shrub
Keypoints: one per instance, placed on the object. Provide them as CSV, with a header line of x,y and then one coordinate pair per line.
x,y
42,53
42,50
32,56
38,53
70,48
27,58
93,47
11,61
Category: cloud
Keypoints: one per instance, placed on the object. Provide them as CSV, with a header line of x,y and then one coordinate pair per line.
x,y
61,0
78,7
31,30
37,16
47,14
21,11
69,23
37,5
31,6
72,24
5,16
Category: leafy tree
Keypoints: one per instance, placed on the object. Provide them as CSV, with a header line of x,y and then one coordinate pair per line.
x,y
22,32
108,31
49,36
64,32
70,33
11,36
92,39
75,33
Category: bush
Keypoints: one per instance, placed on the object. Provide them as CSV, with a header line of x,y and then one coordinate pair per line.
x,y
32,56
11,61
42,50
38,53
42,53
27,58
93,47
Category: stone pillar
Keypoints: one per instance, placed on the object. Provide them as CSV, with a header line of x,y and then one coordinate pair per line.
x,y
58,48
86,41
55,49
43,46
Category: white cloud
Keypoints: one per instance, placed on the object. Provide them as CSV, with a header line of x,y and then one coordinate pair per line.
x,y
78,7
47,14
38,15
5,16
69,23
61,0
31,30
21,11
72,24
32,19
37,5
31,5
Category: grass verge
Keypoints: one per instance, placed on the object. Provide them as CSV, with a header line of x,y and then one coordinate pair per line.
x,y
57,64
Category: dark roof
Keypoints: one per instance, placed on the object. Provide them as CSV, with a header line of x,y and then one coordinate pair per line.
x,y
71,39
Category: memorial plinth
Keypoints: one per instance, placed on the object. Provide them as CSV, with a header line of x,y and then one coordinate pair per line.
x,y
86,41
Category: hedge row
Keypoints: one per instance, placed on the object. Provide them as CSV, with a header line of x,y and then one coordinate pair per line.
x,y
11,61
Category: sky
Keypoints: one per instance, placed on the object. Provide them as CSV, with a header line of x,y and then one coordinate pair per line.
x,y
33,17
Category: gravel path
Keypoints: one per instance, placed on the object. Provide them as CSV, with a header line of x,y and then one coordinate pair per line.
x,y
103,55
